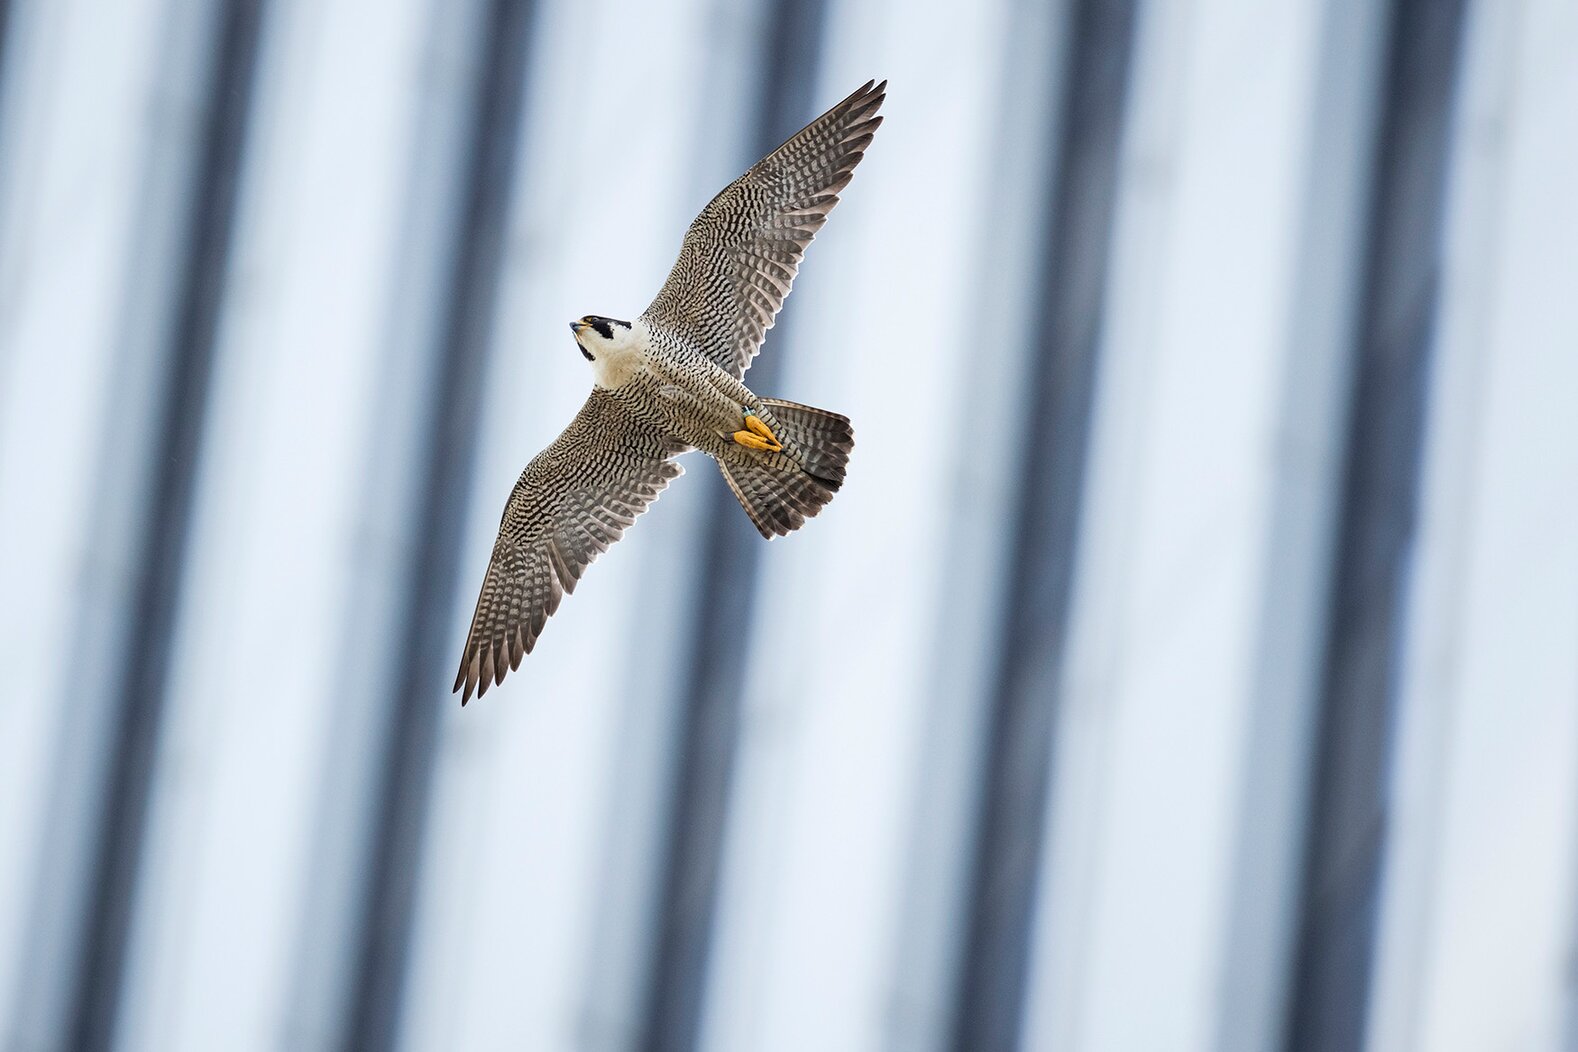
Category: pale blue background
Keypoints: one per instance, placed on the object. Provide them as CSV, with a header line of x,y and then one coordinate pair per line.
x,y
1191,661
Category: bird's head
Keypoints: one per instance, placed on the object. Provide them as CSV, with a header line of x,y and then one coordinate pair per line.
x,y
598,337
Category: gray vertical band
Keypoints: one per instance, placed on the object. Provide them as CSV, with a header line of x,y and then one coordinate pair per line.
x,y
1004,875
709,710
1311,407
163,535
5,25
6,73
1347,826
425,649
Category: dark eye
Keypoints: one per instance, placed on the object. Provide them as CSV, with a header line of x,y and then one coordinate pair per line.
x,y
604,329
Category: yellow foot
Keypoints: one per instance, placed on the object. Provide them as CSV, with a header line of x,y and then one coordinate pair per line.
x,y
758,435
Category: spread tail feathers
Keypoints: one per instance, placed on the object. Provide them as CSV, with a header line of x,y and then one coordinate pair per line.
x,y
780,492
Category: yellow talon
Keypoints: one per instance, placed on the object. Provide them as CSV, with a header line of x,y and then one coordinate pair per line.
x,y
754,422
754,441
758,435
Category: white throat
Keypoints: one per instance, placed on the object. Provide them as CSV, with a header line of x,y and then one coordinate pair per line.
x,y
621,358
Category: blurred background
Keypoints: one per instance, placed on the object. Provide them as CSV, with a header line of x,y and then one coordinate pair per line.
x,y
1191,661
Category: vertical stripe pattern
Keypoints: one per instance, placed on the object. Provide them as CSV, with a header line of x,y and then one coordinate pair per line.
x,y
1184,663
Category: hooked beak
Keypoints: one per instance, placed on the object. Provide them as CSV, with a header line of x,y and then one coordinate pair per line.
x,y
577,326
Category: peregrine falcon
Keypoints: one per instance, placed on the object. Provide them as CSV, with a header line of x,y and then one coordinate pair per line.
x,y
671,381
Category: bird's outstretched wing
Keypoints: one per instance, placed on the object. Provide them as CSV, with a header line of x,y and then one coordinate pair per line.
x,y
741,253
574,499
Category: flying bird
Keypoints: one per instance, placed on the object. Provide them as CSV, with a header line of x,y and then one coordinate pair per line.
x,y
672,381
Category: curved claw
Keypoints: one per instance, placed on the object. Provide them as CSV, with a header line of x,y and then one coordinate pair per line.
x,y
752,440
757,435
